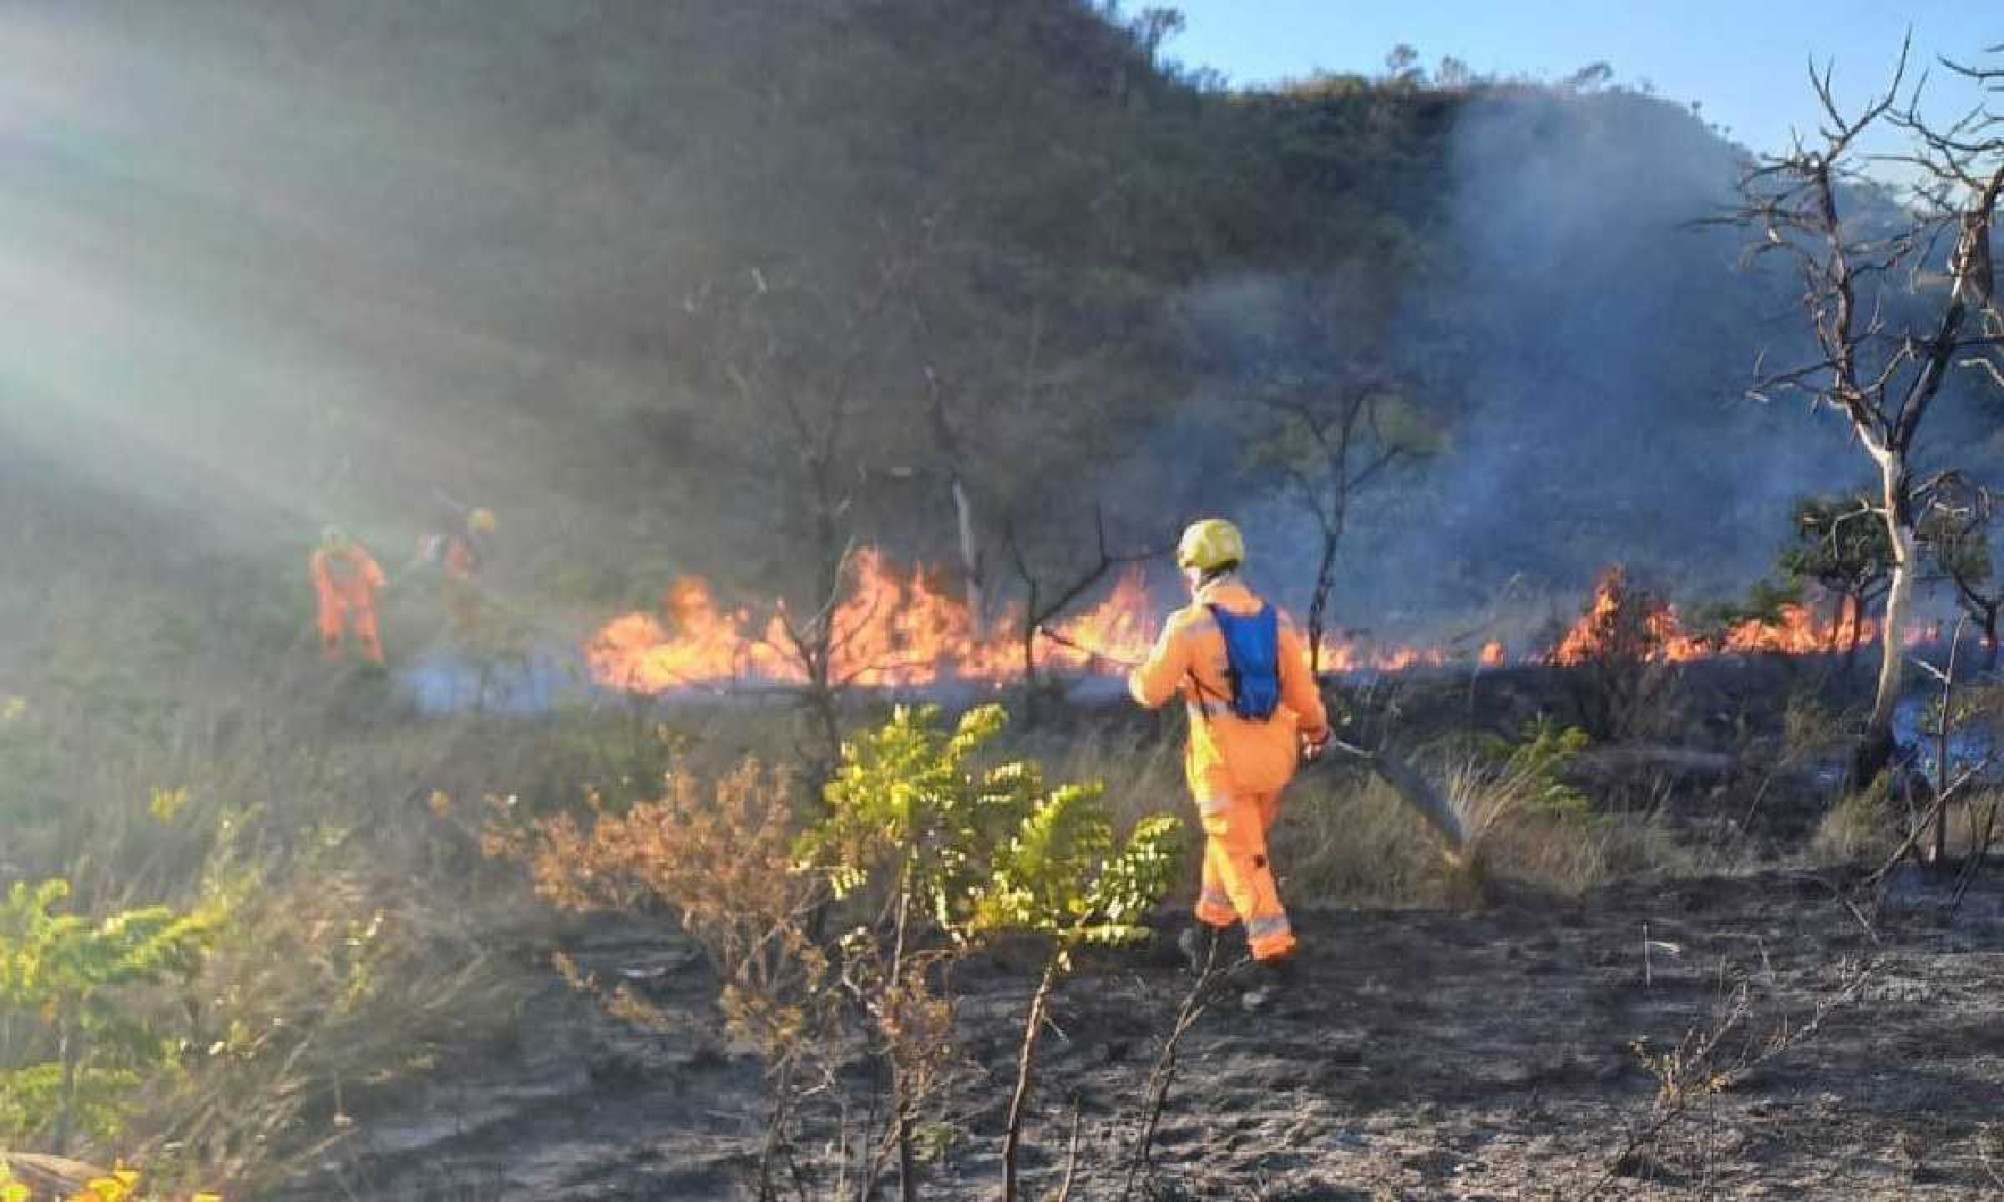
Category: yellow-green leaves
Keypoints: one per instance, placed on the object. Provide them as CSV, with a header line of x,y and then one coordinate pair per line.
x,y
63,973
987,849
120,1185
167,804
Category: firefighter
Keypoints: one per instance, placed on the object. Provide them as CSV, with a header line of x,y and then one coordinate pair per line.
x,y
1254,711
346,578
460,555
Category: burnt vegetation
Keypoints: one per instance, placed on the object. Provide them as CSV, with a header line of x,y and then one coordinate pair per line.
x,y
760,816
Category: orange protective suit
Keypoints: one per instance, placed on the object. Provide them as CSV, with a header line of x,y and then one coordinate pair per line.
x,y
1236,767
346,579
460,559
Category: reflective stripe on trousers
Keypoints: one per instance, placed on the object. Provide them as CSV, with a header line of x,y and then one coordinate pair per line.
x,y
1236,870
1267,928
1214,905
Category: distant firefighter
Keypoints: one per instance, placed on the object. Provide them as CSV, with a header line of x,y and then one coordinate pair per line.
x,y
346,579
460,554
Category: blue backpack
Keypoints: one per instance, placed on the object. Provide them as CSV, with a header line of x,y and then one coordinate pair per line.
x,y
1252,660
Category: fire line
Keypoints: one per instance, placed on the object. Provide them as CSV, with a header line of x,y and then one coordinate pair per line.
x,y
894,628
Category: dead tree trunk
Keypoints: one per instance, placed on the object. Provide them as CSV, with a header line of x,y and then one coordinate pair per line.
x,y
972,567
1325,591
1875,750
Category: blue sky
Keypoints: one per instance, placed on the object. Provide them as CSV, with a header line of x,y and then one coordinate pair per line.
x,y
1745,60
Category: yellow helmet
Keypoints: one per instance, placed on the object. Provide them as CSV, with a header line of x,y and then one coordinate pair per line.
x,y
480,521
1209,545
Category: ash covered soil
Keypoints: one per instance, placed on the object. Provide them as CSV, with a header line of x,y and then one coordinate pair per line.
x,y
1421,1055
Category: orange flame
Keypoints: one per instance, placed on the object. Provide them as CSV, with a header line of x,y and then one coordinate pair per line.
x,y
890,629
897,628
1622,622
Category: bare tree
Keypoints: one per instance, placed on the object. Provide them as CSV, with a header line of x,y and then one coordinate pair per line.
x,y
973,564
1841,546
795,355
1955,534
1333,441
1044,604
1886,331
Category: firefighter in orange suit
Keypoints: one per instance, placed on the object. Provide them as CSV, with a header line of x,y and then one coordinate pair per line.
x,y
346,579
1236,765
460,555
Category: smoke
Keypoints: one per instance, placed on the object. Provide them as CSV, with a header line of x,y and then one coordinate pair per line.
x,y
273,266
1589,353
173,242
1613,339
270,269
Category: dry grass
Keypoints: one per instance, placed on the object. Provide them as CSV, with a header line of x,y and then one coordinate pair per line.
x,y
365,921
360,920
1352,840
330,988
1346,838
1868,825
1863,823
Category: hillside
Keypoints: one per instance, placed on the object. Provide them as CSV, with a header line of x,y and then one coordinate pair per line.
x,y
538,260
756,430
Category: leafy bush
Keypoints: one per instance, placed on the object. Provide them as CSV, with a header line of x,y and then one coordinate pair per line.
x,y
80,1050
979,853
986,851
1533,768
721,858
930,853
120,1184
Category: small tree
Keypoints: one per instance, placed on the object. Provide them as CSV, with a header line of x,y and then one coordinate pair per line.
x,y
82,1049
1062,878
1045,601
1841,546
1336,433
957,854
1955,536
1621,653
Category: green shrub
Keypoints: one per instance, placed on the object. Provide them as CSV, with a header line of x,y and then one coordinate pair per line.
x,y
969,854
1533,769
81,1049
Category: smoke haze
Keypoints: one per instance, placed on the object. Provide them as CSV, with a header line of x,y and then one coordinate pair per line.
x,y
270,270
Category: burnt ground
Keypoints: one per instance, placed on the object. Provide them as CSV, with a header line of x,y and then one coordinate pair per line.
x,y
1422,1055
